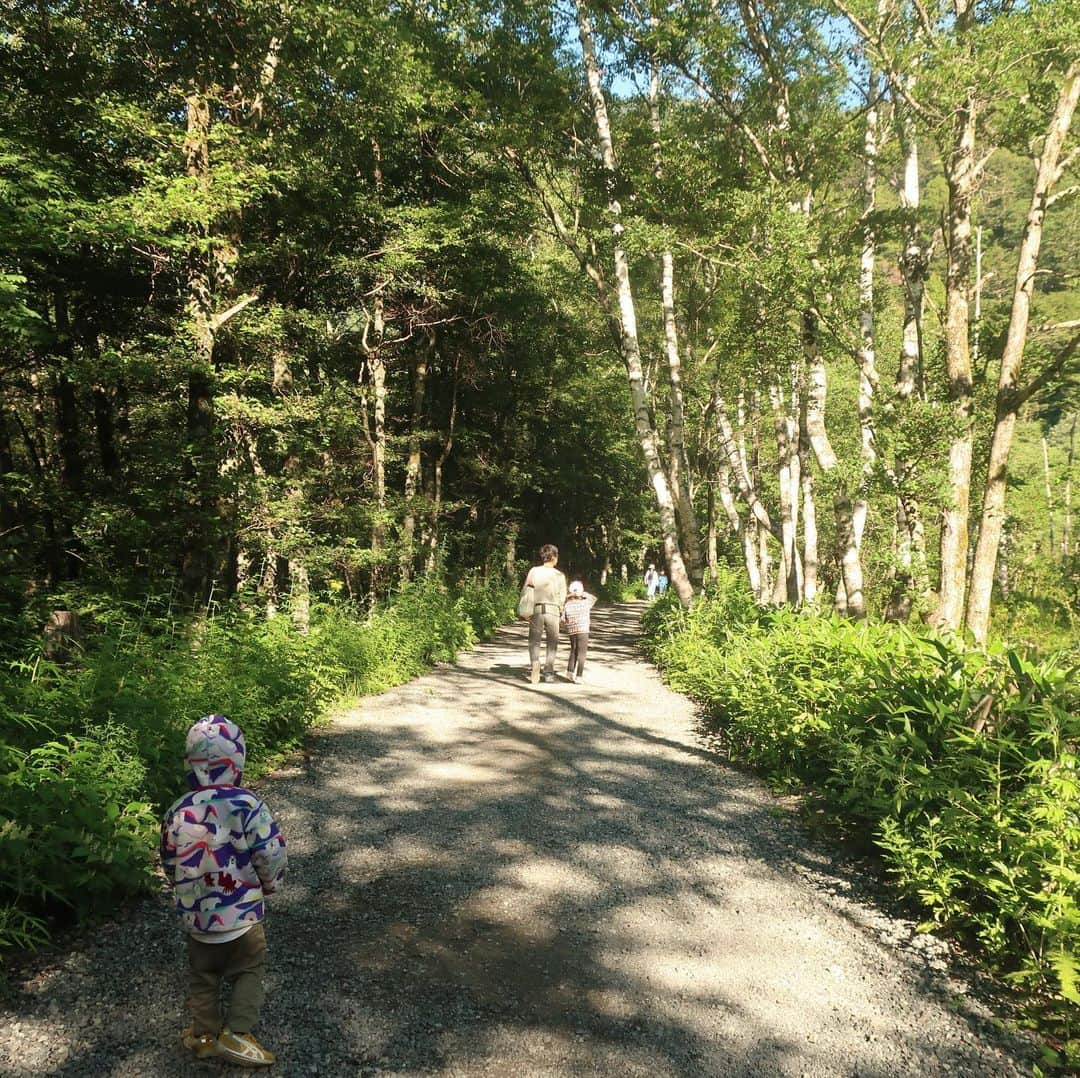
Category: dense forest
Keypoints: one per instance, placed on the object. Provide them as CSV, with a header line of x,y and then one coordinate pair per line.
x,y
316,319
304,297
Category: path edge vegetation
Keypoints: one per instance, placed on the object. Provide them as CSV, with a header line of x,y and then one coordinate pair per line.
x,y
963,765
92,746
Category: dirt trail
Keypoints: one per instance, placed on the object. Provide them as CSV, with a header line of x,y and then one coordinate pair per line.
x,y
495,879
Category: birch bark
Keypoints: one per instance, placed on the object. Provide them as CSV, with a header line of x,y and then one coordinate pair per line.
x,y
437,472
787,466
1066,527
678,461
414,460
867,356
628,336
910,576
809,509
993,509
960,175
816,389
199,468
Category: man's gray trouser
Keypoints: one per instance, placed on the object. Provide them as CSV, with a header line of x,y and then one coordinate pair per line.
x,y
544,623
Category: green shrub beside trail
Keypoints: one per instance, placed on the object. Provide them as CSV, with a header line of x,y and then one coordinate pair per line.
x,y
90,752
963,765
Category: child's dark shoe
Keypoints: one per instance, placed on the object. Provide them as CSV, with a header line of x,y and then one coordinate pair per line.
x,y
243,1049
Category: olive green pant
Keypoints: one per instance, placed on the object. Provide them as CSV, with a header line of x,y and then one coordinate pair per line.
x,y
241,963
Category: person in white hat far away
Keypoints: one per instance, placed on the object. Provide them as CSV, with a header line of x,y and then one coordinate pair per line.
x,y
652,579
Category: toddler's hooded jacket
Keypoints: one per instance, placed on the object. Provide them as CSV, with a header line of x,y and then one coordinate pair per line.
x,y
220,846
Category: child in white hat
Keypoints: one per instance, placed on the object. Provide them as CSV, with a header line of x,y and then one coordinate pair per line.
x,y
576,616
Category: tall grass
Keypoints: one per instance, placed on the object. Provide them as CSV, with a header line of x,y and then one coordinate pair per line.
x,y
91,751
964,766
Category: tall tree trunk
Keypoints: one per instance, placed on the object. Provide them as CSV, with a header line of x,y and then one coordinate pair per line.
x,y
847,551
628,337
766,581
437,472
680,467
787,465
976,325
9,510
1066,527
67,409
377,366
993,510
72,473
809,512
710,532
960,175
200,466
686,515
746,532
914,269
867,355
105,428
740,469
414,460
1050,551
376,361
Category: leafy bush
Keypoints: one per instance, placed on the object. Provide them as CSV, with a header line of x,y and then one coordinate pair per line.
x,y
616,591
964,766
90,753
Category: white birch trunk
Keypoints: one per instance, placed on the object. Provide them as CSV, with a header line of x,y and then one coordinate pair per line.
x,y
809,511
736,457
787,465
1066,528
993,510
850,563
867,356
745,531
910,576
679,462
414,460
960,174
628,337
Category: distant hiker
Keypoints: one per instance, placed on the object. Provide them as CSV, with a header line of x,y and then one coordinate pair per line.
x,y
576,615
223,853
652,581
661,582
549,593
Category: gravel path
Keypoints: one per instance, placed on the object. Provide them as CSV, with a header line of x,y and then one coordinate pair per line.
x,y
495,879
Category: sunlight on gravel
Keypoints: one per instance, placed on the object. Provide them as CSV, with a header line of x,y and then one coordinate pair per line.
x,y
490,879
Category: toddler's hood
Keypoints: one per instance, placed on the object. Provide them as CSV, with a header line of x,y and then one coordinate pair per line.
x,y
215,752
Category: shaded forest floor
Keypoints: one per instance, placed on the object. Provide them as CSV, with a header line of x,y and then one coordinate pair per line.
x,y
491,878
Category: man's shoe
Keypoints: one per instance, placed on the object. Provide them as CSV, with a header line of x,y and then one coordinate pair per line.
x,y
549,677
534,673
571,676
243,1049
203,1045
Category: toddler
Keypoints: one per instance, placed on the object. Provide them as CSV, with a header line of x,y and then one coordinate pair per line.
x,y
576,615
223,853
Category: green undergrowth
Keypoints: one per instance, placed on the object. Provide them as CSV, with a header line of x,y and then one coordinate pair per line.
x,y
620,591
962,765
91,749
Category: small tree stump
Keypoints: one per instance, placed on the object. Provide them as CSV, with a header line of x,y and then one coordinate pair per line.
x,y
63,635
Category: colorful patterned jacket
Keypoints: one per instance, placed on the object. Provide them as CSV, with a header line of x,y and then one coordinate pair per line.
x,y
220,847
